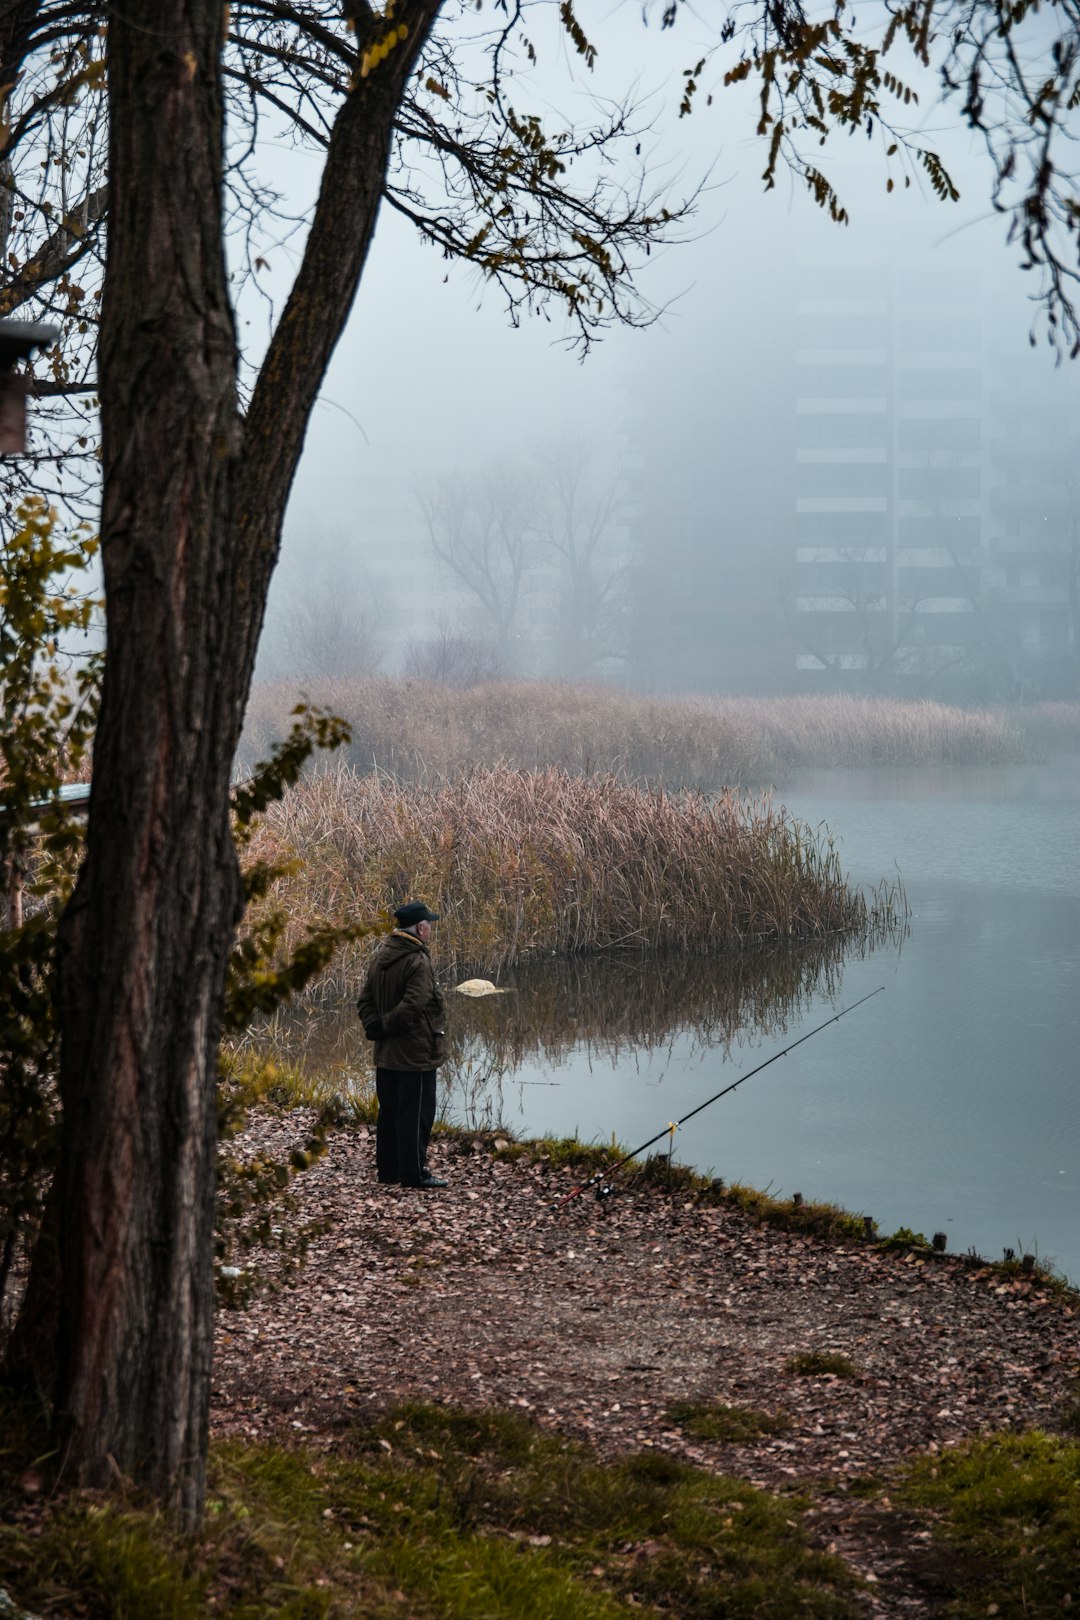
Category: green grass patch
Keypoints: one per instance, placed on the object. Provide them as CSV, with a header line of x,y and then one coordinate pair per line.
x,y
827,1221
820,1220
903,1239
736,1425
1042,1275
500,1144
822,1364
1008,1508
649,1530
250,1077
260,1069
570,1153
511,1151
816,1220
659,1170
441,1513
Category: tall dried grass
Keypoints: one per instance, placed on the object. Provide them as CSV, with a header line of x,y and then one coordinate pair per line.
x,y
815,732
422,732
523,862
1050,728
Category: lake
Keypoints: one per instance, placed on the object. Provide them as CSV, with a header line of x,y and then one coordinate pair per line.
x,y
950,1102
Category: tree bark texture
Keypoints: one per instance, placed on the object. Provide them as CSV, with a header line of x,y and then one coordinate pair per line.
x,y
144,944
192,509
17,20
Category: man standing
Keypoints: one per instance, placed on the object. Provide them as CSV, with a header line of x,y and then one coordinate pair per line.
x,y
402,1011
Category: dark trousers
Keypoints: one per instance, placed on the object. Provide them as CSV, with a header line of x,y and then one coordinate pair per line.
x,y
406,1115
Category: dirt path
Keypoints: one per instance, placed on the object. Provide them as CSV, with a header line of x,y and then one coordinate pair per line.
x,y
594,1321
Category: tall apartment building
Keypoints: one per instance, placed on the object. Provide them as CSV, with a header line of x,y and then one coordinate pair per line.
x,y
937,505
864,481
890,391
1031,567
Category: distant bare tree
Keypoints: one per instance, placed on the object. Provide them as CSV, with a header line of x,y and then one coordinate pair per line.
x,y
332,620
875,639
579,516
888,607
450,659
483,531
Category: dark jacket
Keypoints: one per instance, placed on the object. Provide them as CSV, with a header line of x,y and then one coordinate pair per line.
x,y
401,1008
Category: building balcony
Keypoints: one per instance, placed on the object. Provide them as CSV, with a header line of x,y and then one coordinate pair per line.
x,y
849,405
841,458
841,554
842,503
1029,594
845,660
943,604
840,604
909,506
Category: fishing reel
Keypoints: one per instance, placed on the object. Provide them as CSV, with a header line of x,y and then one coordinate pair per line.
x,y
602,1191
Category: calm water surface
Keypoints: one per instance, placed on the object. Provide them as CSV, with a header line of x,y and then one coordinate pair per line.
x,y
949,1103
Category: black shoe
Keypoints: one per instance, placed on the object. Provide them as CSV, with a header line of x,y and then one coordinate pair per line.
x,y
427,1181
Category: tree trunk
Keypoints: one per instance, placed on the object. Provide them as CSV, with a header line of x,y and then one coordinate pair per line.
x,y
192,511
144,945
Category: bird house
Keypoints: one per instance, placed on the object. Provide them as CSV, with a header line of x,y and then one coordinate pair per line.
x,y
18,340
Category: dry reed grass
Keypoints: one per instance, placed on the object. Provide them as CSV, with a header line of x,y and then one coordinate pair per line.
x,y
815,732
1050,728
523,862
422,732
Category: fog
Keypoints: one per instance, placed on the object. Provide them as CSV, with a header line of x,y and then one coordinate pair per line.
x,y
691,425
774,529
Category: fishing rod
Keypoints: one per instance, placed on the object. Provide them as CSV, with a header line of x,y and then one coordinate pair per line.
x,y
669,1130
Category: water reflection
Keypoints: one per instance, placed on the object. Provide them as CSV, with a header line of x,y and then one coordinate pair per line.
x,y
609,1010
602,1008
948,1104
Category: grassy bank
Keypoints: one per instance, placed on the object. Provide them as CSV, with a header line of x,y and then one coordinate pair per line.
x,y
421,732
453,1514
439,1513
519,863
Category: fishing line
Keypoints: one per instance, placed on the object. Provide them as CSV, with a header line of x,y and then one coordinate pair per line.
x,y
672,1126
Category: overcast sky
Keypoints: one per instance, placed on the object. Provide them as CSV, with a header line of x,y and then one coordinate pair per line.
x,y
430,377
